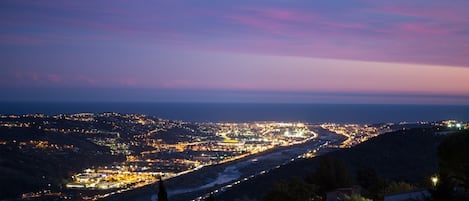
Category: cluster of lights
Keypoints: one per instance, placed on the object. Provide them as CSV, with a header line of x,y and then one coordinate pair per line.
x,y
458,125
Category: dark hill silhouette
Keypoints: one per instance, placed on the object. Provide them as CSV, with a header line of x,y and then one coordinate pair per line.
x,y
406,155
30,170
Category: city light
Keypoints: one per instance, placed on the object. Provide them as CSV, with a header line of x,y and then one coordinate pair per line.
x,y
434,180
147,147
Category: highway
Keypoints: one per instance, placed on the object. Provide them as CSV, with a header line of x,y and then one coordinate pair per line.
x,y
242,170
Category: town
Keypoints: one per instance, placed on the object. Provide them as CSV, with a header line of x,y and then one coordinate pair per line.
x,y
140,149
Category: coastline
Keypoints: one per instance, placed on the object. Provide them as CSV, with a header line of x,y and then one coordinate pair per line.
x,y
247,112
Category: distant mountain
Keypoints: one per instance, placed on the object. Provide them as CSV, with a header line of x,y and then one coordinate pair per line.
x,y
406,155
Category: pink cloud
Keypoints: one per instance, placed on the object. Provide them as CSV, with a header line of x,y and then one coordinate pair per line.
x,y
27,76
21,40
84,79
179,83
127,81
279,14
263,30
421,28
259,23
443,12
54,78
296,24
319,36
108,23
33,78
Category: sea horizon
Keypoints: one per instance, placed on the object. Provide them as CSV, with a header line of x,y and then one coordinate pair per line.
x,y
360,113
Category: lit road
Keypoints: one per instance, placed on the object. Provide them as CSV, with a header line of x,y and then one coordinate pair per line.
x,y
242,170
292,155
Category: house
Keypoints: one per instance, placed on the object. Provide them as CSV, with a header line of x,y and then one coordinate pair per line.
x,y
414,195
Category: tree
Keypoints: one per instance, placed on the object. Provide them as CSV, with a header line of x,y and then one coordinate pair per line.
x,y
356,198
162,194
372,184
331,174
294,190
398,187
210,198
444,189
453,153
453,168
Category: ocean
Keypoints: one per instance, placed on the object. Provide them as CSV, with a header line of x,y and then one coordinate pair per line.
x,y
244,112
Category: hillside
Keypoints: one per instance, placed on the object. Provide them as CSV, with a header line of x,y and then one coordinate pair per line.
x,y
39,159
408,155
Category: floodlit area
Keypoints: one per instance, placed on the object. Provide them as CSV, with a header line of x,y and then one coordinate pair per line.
x,y
111,179
220,143
355,133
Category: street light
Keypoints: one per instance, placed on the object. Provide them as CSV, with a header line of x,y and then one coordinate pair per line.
x,y
434,180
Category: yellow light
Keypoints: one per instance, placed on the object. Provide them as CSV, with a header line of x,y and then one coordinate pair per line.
x,y
434,180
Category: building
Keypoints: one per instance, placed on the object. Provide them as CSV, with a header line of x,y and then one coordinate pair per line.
x,y
414,195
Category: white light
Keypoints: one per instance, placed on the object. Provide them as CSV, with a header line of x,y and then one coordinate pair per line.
x,y
434,180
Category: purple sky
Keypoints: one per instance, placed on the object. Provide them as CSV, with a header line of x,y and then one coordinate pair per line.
x,y
355,51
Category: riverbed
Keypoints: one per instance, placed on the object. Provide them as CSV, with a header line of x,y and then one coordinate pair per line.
x,y
244,169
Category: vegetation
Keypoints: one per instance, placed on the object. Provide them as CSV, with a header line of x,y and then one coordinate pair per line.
x,y
356,198
293,190
406,155
402,160
396,187
331,174
210,198
372,184
44,167
162,194
453,183
454,158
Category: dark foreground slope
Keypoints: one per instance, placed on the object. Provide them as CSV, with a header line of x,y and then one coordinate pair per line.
x,y
408,155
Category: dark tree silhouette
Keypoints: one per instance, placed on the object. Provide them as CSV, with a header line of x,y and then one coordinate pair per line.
x,y
210,198
162,194
293,190
373,185
454,161
331,174
454,168
397,187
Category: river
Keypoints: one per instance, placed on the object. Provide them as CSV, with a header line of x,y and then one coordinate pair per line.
x,y
236,172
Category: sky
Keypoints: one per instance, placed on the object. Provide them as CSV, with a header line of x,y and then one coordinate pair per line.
x,y
276,51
